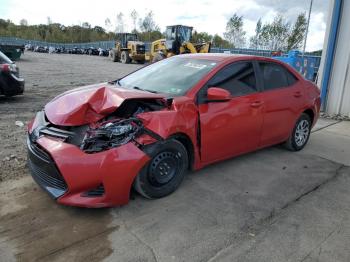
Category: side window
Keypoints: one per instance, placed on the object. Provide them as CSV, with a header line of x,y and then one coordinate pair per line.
x,y
291,78
275,76
238,78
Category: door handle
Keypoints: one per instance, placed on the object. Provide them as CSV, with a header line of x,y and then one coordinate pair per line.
x,y
257,104
297,94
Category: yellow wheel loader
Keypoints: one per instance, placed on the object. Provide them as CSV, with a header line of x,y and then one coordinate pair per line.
x,y
127,48
177,41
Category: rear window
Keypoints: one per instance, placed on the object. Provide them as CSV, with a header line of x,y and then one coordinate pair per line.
x,y
4,59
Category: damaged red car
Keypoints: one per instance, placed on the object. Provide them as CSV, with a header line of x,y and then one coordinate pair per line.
x,y
90,146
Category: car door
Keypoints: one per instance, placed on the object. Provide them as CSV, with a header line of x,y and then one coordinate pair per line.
x,y
282,98
232,127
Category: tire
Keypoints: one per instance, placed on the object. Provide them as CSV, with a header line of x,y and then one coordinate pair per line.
x,y
124,57
157,57
300,134
113,55
164,173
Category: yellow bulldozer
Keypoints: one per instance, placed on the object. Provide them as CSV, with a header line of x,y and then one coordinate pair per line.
x,y
127,49
177,41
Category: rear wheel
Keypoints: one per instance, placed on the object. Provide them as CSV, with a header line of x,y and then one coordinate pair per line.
x,y
300,134
124,57
164,172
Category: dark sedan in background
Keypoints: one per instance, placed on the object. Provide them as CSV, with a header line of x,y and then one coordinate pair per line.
x,y
10,82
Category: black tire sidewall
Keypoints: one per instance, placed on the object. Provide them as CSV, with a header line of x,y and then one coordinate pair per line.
x,y
142,184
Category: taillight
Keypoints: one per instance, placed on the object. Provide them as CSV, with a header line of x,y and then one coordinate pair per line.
x,y
8,68
5,68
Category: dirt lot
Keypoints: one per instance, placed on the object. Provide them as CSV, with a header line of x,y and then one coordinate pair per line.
x,y
270,205
46,76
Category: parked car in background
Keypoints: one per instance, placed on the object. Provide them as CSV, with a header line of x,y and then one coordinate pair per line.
x,y
91,51
77,51
103,52
29,47
41,49
91,145
10,82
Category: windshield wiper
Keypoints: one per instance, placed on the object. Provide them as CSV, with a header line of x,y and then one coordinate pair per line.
x,y
147,90
114,82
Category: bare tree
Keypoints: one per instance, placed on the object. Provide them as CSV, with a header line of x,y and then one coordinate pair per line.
x,y
120,26
254,40
134,15
23,22
49,20
147,24
108,24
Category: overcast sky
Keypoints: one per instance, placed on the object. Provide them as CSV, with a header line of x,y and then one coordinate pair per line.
x,y
206,15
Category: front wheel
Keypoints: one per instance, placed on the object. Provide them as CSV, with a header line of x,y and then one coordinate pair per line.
x,y
164,172
113,55
300,134
124,57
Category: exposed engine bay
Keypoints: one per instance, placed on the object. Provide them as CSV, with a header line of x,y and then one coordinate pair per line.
x,y
111,134
119,128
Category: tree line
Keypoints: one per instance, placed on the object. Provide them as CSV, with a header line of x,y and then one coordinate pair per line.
x,y
278,34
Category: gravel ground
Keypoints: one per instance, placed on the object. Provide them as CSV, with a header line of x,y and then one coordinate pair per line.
x,y
46,76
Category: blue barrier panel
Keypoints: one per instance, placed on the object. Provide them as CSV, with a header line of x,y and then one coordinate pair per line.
x,y
307,65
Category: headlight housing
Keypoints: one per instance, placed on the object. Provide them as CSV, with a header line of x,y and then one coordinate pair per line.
x,y
111,134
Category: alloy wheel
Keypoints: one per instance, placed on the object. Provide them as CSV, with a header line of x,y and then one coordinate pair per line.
x,y
302,132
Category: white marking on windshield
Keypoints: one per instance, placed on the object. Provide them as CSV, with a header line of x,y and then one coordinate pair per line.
x,y
196,66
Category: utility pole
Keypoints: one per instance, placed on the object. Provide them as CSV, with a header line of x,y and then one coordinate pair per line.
x,y
307,30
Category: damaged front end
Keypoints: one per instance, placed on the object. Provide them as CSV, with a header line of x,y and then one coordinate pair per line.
x,y
111,134
70,162
117,129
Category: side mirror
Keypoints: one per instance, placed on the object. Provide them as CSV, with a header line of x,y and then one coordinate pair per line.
x,y
217,94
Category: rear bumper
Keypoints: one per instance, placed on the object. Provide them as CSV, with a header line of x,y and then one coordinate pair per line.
x,y
109,173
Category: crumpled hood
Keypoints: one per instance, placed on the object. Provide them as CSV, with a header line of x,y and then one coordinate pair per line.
x,y
89,104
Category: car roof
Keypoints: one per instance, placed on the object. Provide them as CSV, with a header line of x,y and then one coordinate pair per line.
x,y
223,57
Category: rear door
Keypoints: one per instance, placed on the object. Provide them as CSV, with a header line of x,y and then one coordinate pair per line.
x,y
282,96
233,127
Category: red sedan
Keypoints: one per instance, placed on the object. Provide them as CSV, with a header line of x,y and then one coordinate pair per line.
x,y
91,145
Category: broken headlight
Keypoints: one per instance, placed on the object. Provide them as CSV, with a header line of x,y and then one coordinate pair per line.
x,y
111,134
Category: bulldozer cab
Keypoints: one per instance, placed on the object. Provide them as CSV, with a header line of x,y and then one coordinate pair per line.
x,y
178,33
124,38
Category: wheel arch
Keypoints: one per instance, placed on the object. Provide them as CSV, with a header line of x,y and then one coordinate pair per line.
x,y
186,141
311,114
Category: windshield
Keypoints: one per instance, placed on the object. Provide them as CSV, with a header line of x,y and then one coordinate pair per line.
x,y
131,38
170,33
174,76
185,34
